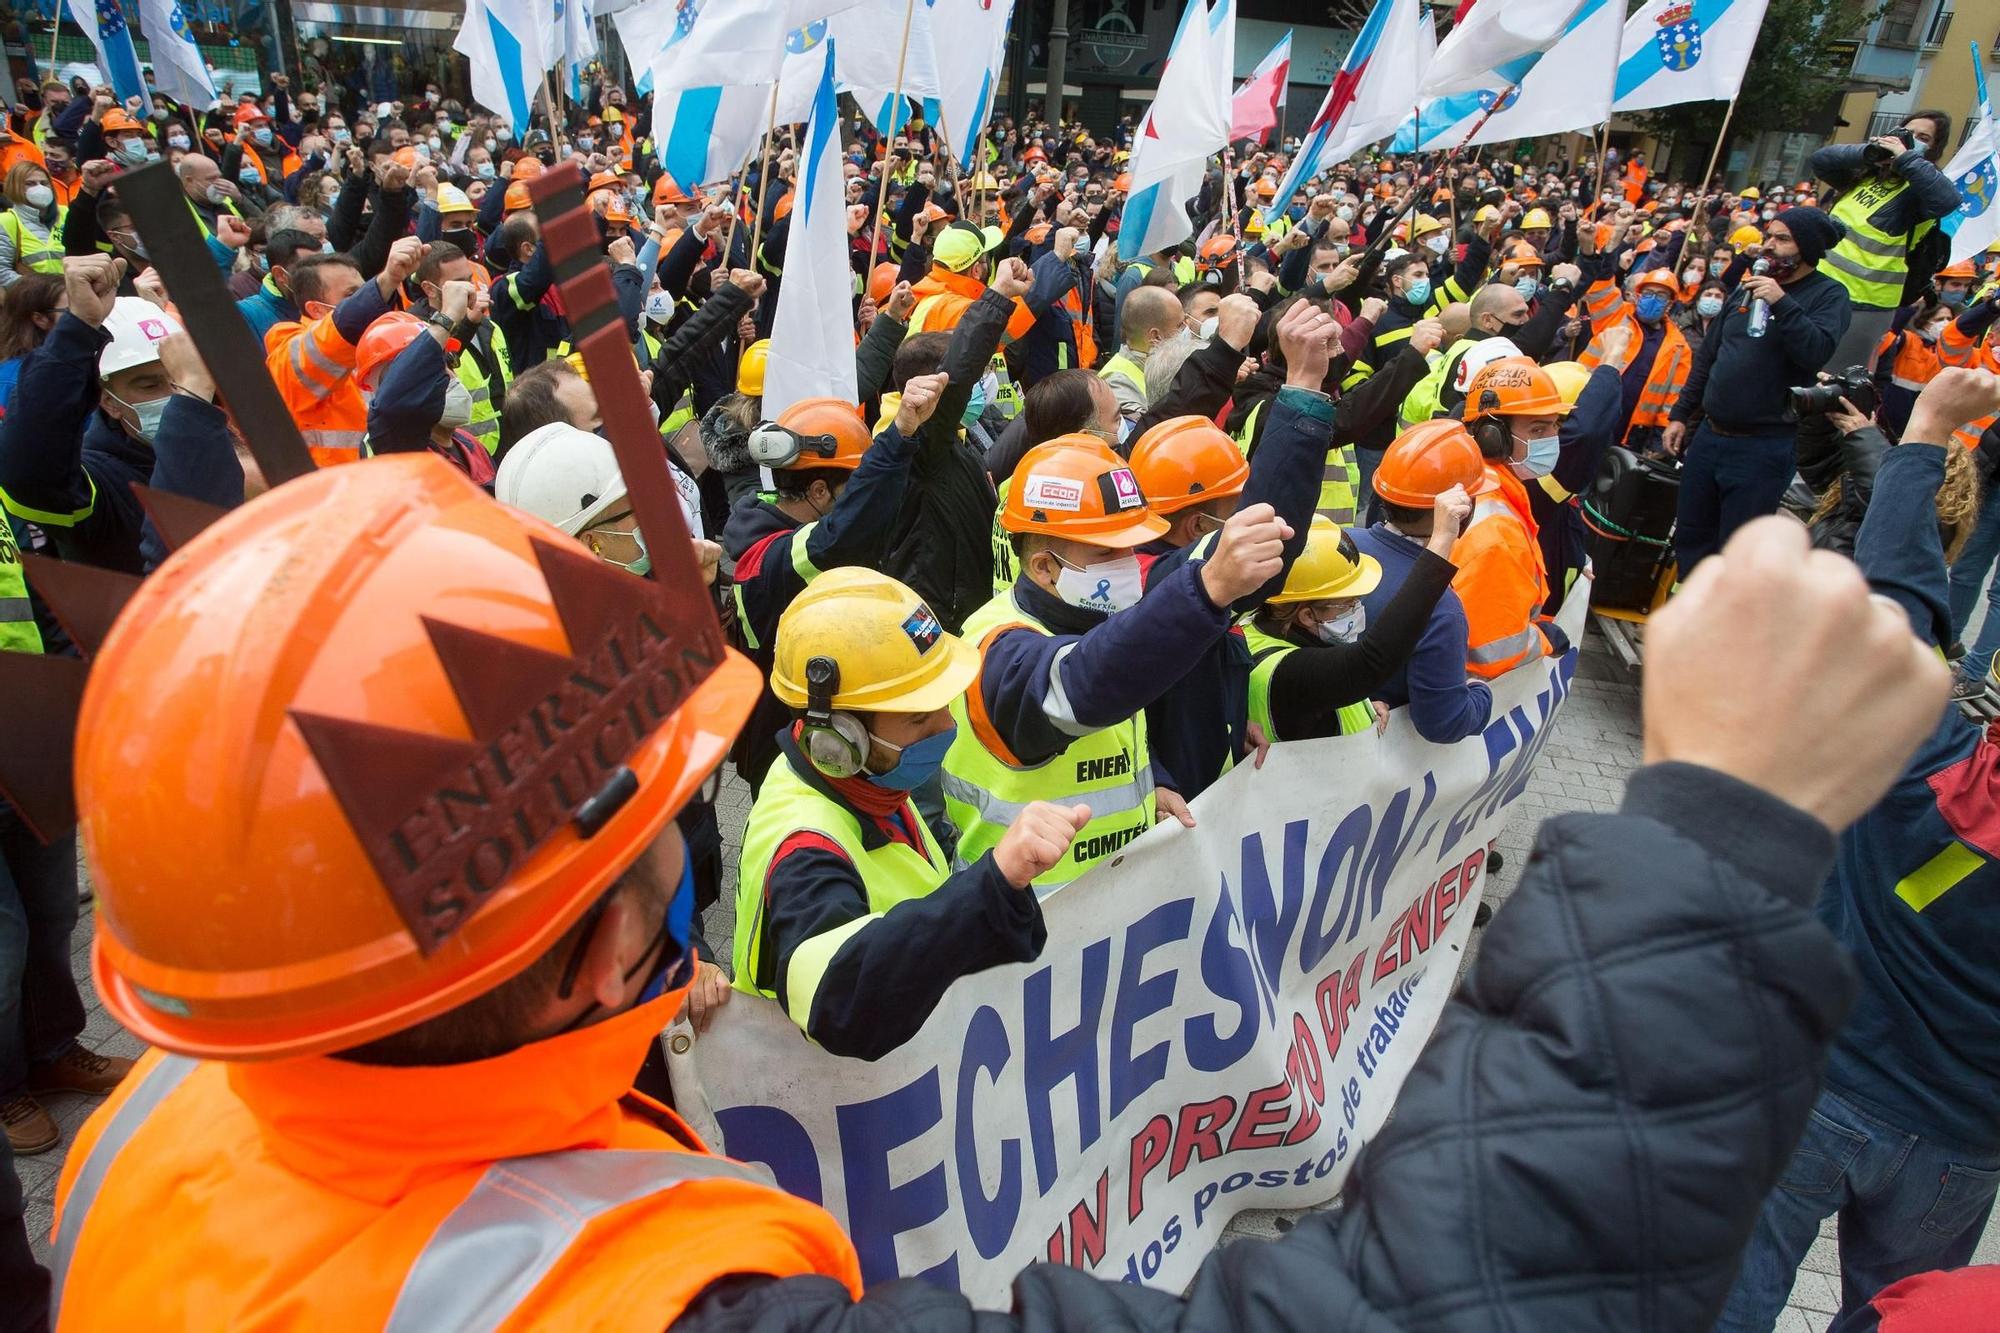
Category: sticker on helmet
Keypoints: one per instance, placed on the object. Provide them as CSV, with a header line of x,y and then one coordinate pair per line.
x,y
1042,490
1126,487
923,628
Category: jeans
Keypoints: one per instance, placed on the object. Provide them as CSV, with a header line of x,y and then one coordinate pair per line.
x,y
24,1284
1967,573
1726,481
1371,503
41,1013
1907,1205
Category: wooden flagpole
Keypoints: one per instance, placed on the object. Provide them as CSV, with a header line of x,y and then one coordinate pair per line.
x,y
763,184
888,153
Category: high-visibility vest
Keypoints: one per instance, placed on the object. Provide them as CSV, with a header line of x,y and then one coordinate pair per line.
x,y
288,162
1266,651
1870,263
1110,770
1915,363
312,365
1606,307
18,631
227,205
1501,579
1425,400
1340,475
892,873
1121,364
620,1236
485,422
32,253
1004,568
942,310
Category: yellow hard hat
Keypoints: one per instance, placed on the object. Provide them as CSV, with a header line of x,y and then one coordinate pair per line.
x,y
891,653
750,370
1486,213
1537,218
1570,377
1423,225
1749,192
1743,236
1330,566
1255,226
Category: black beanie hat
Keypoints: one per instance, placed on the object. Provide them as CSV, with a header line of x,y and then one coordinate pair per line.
x,y
1814,231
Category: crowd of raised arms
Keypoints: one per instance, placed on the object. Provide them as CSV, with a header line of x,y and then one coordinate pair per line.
x,y
1097,529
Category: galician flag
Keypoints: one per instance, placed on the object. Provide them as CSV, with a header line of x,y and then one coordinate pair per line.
x,y
1489,34
103,22
1975,227
1259,104
1186,125
1685,51
503,41
1566,87
1369,97
178,68
812,334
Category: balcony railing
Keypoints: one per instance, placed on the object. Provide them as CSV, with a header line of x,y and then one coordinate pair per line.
x,y
1940,27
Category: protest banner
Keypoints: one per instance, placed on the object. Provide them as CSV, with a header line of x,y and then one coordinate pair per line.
x,y
1221,1018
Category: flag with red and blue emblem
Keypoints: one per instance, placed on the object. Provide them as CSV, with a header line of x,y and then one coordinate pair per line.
x,y
1371,93
1975,170
104,24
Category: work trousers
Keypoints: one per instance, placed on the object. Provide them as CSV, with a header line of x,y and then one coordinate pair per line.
x,y
1726,481
41,1013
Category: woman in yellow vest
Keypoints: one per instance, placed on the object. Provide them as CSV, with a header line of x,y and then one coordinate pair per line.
x,y
848,911
1315,661
31,228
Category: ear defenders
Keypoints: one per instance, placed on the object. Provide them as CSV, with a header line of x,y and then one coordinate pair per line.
x,y
776,447
1493,435
835,742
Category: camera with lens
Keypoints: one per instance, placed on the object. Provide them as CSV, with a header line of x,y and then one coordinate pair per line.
x,y
1874,154
1853,384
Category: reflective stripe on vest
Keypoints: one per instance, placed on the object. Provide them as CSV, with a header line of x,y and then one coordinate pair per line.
x,y
19,633
1508,650
35,254
154,1086
1340,485
1110,770
1121,364
892,873
802,565
1870,263
491,1251
1266,651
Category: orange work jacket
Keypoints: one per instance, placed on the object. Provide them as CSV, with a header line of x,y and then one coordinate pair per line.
x,y
1605,306
943,295
288,164
1501,578
528,1191
313,367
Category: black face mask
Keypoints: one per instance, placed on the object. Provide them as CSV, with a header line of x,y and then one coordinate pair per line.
x,y
464,238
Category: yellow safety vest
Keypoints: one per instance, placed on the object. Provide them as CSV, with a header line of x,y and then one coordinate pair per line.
x,y
892,873
485,422
1121,364
1340,476
1110,771
1004,569
18,631
32,253
1266,651
1871,264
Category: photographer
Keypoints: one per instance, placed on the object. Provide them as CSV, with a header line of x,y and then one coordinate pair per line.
x,y
1891,196
1840,448
1740,457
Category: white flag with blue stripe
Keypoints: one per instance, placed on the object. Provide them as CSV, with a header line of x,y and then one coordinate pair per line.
x,y
1685,51
1187,123
1975,227
1566,87
178,68
1490,34
504,42
103,22
968,65
812,334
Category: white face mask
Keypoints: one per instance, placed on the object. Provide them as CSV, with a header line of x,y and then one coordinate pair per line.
x,y
660,306
1208,327
1111,586
457,405
41,196
1435,244
1344,628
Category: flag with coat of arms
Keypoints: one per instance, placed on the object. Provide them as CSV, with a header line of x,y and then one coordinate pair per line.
x,y
179,70
103,22
1678,51
1975,170
812,333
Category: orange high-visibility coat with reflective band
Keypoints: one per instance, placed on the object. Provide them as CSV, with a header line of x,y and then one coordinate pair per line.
x,y
1915,362
1956,348
1501,578
529,1191
942,297
287,164
1605,306
313,367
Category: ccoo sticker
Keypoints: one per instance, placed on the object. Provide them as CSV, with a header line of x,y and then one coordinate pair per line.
x,y
1043,491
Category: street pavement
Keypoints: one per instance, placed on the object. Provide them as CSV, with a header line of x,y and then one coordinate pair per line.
x,y
1595,745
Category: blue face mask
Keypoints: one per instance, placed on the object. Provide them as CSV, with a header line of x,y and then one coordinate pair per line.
x,y
1418,292
1541,460
1527,287
975,406
1652,308
1708,307
1951,299
916,763
248,176
484,171
262,134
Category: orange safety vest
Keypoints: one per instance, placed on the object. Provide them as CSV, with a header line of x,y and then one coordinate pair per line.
x,y
1916,361
1955,348
288,164
313,366
1501,578
943,295
529,1191
1604,304
1967,436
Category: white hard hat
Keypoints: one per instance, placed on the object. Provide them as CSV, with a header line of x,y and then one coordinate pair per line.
x,y
562,474
1481,355
136,326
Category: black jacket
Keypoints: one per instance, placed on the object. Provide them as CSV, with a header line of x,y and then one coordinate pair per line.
x,y
1586,1141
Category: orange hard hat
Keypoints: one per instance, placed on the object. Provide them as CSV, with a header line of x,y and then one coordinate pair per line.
x,y
603,180
1034,154
835,435
382,342
1514,386
1658,277
1217,249
1184,461
321,799
1122,182
405,156
517,197
116,121
1074,487
600,201
667,191
1522,254
620,213
1962,269
246,112
1427,460
882,280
